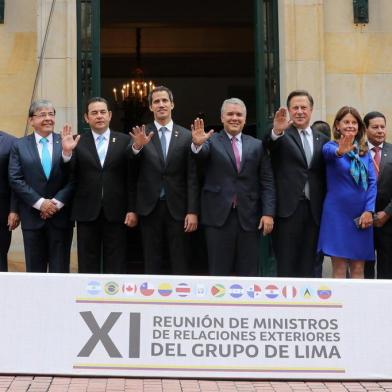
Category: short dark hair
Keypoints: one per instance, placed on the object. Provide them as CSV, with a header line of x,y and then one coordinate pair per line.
x,y
322,127
156,90
299,93
372,115
96,99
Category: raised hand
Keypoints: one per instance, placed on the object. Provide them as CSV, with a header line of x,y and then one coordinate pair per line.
x,y
345,144
68,141
281,121
139,137
198,134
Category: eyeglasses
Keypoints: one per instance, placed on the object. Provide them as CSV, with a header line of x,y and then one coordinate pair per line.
x,y
43,115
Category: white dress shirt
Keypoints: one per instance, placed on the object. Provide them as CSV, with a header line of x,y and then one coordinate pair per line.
x,y
37,205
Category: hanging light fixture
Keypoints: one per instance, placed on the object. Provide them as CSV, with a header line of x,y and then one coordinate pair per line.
x,y
137,89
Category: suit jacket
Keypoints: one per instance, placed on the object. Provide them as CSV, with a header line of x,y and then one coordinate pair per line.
x,y
178,175
384,181
291,172
8,200
253,185
28,181
97,188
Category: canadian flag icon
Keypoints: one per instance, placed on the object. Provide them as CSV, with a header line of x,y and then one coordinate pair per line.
x,y
129,288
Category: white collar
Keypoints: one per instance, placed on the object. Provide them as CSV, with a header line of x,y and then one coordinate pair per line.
x,y
168,126
38,137
372,145
106,134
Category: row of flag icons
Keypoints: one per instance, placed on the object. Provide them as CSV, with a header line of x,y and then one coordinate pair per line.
x,y
236,291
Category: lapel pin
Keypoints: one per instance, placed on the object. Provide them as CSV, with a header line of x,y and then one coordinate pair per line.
x,y
175,134
114,140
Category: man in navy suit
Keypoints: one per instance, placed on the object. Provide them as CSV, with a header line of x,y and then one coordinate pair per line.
x,y
299,169
238,195
167,189
40,181
9,218
102,205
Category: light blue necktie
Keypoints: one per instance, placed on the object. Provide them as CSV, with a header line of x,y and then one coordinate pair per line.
x,y
46,160
101,148
163,141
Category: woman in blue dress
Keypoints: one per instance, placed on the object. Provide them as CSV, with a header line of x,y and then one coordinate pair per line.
x,y
346,231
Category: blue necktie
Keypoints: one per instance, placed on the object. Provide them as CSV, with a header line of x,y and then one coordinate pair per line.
x,y
163,146
46,160
101,148
163,141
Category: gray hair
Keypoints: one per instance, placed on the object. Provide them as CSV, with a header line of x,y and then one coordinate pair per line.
x,y
233,101
40,104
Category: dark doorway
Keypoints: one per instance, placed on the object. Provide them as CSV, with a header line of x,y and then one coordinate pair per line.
x,y
204,51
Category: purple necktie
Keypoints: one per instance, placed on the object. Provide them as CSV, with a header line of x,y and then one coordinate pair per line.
x,y
236,153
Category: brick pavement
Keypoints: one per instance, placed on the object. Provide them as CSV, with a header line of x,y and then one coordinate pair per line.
x,y
100,384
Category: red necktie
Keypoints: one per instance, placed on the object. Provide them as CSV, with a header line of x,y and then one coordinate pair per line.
x,y
377,158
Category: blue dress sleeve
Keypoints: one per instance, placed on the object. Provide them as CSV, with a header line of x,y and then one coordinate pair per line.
x,y
329,151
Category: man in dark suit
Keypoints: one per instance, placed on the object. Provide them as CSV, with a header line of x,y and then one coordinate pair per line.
x,y
238,195
40,181
9,217
299,169
167,186
102,205
381,152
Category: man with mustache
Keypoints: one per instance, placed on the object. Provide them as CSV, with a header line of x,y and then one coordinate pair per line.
x,y
102,206
381,152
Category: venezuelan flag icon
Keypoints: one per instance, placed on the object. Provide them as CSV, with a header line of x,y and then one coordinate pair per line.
x,y
165,289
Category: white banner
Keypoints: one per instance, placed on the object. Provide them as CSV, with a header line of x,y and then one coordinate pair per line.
x,y
172,326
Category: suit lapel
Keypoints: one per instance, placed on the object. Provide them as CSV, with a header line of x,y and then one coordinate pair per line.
x,y
33,149
174,140
245,149
386,156
317,145
157,143
227,146
90,145
110,152
293,133
1,138
56,153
